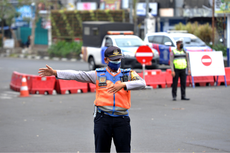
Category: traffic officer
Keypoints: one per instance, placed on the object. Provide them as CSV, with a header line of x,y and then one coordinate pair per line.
x,y
113,85
179,63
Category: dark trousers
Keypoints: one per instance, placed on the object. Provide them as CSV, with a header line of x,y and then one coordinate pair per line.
x,y
107,127
179,73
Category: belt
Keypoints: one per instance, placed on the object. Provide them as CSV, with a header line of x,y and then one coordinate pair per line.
x,y
102,112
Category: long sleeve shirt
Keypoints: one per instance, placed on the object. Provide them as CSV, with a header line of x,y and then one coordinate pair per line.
x,y
90,77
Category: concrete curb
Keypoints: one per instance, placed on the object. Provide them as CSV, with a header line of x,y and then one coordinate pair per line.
x,y
36,57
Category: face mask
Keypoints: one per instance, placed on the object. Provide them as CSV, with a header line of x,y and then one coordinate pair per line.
x,y
181,46
114,65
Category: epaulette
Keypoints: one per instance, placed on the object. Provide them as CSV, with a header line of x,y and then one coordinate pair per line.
x,y
126,70
101,69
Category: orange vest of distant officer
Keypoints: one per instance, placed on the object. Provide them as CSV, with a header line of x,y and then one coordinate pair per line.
x,y
106,79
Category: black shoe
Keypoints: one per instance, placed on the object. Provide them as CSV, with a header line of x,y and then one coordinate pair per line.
x,y
174,98
185,98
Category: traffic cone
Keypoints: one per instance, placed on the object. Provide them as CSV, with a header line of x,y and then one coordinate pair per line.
x,y
24,88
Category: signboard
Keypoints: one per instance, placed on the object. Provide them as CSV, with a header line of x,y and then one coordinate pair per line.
x,y
144,54
222,6
206,63
141,9
25,12
86,6
110,4
9,43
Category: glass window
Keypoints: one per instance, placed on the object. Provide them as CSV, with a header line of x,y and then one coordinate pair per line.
x,y
167,39
95,31
108,42
86,31
157,39
129,42
191,41
150,39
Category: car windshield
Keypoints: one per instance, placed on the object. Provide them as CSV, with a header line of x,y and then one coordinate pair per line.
x,y
192,41
129,42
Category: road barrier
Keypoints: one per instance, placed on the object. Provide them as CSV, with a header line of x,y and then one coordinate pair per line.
x,y
42,85
16,79
154,78
221,78
169,79
35,84
72,86
92,87
203,80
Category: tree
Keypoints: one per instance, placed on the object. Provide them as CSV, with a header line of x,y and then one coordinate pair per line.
x,y
38,6
6,12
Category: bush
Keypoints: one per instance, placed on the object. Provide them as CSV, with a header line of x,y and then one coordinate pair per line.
x,y
220,47
204,32
65,49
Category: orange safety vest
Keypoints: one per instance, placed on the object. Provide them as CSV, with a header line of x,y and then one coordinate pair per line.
x,y
120,99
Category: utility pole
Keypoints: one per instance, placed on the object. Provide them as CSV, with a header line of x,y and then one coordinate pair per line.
x,y
146,16
213,22
130,11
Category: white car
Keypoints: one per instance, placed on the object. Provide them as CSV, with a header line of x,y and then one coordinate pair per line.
x,y
165,42
128,43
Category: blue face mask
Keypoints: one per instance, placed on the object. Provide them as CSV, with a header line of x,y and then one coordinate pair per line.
x,y
114,65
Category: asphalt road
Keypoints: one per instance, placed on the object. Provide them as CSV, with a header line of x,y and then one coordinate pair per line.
x,y
64,123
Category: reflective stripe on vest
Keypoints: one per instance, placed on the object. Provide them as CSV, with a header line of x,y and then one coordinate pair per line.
x,y
115,102
179,59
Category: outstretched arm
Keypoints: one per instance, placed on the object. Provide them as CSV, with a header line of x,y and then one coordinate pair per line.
x,y
48,71
81,76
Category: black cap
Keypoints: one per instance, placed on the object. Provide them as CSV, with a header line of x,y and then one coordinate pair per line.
x,y
113,53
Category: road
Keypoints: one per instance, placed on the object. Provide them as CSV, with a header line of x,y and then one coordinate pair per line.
x,y
64,123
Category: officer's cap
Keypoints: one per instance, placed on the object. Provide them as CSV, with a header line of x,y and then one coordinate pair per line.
x,y
113,53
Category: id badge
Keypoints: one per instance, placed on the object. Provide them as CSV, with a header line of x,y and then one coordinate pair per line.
x,y
102,81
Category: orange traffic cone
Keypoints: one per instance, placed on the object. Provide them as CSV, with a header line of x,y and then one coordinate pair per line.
x,y
24,89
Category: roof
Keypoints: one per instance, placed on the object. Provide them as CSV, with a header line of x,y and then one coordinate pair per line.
x,y
122,36
171,34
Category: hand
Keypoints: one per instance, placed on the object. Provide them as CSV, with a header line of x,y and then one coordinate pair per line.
x,y
47,71
189,72
173,74
116,87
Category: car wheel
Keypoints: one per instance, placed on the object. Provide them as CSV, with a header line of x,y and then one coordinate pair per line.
x,y
92,65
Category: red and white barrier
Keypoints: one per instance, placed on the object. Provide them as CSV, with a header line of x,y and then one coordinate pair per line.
x,y
70,85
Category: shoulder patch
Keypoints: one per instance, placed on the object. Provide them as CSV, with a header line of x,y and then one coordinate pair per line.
x,y
100,69
126,70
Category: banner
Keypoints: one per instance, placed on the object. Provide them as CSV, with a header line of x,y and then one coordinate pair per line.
x,y
222,6
207,63
141,9
86,6
26,12
110,4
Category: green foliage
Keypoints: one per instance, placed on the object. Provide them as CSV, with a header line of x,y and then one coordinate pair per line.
x,y
68,24
204,32
220,47
65,49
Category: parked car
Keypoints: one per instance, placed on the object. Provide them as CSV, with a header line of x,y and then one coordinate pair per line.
x,y
165,42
